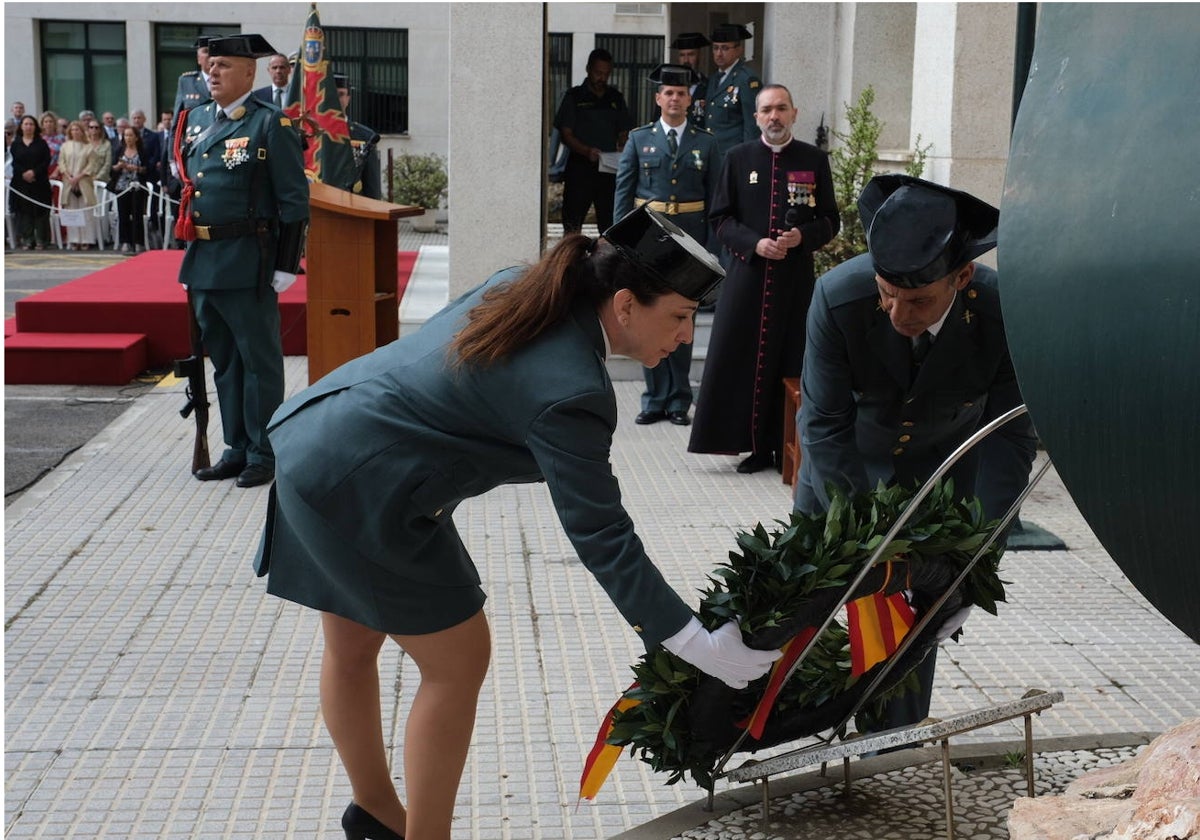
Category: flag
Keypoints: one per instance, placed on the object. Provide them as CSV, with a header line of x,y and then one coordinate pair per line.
x,y
779,674
603,756
313,106
877,625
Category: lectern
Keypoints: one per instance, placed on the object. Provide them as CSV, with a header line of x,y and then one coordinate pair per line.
x,y
351,265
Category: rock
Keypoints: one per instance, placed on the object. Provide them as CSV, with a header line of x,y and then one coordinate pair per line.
x,y
1155,796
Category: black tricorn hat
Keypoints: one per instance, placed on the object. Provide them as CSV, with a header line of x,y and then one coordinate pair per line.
x,y
240,46
690,41
727,33
654,243
918,231
341,81
202,40
679,75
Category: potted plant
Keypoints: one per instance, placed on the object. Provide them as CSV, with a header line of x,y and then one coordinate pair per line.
x,y
419,180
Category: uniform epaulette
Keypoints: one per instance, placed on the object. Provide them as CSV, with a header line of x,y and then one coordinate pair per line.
x,y
647,125
194,74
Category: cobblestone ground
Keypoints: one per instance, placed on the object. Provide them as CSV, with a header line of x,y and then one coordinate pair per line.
x,y
908,802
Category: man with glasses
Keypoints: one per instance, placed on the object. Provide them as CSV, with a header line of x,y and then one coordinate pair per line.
x,y
729,101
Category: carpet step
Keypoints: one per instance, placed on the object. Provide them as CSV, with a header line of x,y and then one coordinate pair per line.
x,y
47,358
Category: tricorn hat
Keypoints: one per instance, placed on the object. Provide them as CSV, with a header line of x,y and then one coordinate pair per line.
x,y
918,231
202,41
654,243
727,33
240,46
690,41
673,74
340,80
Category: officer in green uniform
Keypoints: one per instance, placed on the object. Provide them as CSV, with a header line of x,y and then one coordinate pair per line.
x,y
672,166
687,52
243,213
729,100
193,85
368,180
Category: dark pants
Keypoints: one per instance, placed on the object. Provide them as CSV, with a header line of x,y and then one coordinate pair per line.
x,y
584,186
240,328
667,385
130,208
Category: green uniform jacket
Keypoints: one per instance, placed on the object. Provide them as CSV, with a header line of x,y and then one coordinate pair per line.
x,y
383,449
729,107
863,419
246,168
647,170
191,91
368,180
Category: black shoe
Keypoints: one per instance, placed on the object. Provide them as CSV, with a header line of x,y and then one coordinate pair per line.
x,y
360,825
255,474
648,417
679,418
220,470
757,461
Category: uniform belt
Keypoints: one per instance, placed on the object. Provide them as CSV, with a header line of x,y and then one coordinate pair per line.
x,y
246,227
671,208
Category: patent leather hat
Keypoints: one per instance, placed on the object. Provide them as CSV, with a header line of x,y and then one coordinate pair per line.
x,y
728,33
676,75
654,243
690,41
240,46
919,231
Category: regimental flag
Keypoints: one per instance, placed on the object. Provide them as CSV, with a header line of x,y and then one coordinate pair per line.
x,y
877,624
313,105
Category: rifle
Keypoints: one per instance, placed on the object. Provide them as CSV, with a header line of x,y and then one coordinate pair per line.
x,y
192,368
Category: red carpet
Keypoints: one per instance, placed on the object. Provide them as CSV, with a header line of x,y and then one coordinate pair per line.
x,y
140,296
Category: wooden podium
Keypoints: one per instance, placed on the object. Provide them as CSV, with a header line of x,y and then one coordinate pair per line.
x,y
351,269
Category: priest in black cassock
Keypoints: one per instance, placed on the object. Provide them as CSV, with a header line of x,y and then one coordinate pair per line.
x,y
774,206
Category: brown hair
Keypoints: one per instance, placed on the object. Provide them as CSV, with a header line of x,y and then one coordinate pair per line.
x,y
512,315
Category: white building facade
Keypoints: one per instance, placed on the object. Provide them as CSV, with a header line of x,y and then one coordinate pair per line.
x,y
478,82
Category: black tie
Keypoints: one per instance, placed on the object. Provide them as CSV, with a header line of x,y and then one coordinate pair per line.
x,y
672,145
221,115
279,97
920,349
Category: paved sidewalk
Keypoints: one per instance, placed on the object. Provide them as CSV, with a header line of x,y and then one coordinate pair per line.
x,y
154,690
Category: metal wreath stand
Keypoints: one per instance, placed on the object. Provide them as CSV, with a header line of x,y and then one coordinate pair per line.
x,y
824,750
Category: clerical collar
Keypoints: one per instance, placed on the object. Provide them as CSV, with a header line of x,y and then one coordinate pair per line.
x,y
773,147
678,128
233,106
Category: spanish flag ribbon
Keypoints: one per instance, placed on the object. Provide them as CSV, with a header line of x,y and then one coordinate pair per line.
x,y
878,624
779,672
603,756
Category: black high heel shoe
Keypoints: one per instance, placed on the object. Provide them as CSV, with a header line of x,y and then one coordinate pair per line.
x,y
360,825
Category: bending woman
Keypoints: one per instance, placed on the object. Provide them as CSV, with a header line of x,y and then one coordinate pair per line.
x,y
507,384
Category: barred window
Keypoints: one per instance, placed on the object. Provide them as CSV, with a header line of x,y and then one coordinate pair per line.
x,y
175,54
560,68
376,63
634,57
84,66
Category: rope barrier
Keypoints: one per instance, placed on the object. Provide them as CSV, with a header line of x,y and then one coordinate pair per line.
x,y
92,207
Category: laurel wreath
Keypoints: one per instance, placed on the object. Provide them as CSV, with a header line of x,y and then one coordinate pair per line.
x,y
772,576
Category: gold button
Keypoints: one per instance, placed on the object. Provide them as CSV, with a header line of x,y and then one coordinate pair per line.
x,y
205,155
674,181
899,450
637,628
199,174
908,424
905,438
198,193
972,294
196,214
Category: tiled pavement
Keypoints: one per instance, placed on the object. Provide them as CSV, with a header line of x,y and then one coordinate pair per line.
x,y
153,689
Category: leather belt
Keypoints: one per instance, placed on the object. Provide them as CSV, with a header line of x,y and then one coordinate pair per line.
x,y
671,208
246,227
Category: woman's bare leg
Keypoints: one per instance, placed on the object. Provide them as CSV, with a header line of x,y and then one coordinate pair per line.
x,y
350,706
453,664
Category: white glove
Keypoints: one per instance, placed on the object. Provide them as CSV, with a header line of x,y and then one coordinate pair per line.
x,y
281,281
721,653
951,625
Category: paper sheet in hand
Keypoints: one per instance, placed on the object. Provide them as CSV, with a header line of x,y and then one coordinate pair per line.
x,y
609,162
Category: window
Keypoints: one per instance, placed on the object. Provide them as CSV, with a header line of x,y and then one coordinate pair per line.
x,y
560,69
175,54
634,56
83,66
376,63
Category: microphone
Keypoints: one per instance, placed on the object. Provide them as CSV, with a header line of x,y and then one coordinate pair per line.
x,y
791,218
